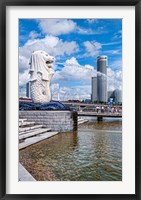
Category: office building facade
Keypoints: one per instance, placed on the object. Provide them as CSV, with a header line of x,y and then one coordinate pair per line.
x,y
116,95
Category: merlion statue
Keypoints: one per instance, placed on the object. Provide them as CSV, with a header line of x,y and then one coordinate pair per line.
x,y
41,73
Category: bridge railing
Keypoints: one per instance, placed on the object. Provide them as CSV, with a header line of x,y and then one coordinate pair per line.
x,y
97,109
106,110
106,114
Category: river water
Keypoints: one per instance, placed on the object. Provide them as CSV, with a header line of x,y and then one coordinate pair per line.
x,y
93,153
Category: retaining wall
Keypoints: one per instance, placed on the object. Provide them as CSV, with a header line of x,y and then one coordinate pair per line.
x,y
56,120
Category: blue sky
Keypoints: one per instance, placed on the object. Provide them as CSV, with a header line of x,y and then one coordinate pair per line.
x,y
75,44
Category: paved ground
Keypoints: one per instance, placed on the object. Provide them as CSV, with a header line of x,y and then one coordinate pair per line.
x,y
24,175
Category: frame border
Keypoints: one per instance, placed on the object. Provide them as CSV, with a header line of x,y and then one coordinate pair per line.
x,y
3,4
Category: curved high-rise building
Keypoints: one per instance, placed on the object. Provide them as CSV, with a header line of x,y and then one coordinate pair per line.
x,y
102,62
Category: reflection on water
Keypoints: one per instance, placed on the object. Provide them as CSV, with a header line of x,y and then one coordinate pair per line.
x,y
93,153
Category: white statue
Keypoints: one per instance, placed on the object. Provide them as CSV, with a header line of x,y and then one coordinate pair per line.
x,y
41,73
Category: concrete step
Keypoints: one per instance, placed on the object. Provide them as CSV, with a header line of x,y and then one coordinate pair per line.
x,y
82,121
22,120
79,120
34,133
23,130
26,123
30,141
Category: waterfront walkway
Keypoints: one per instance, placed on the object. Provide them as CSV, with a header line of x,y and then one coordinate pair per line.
x,y
24,175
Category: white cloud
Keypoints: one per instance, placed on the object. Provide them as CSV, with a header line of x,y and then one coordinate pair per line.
x,y
33,34
66,93
51,44
84,31
82,90
117,35
111,43
113,52
91,20
114,79
84,73
73,71
110,73
23,78
92,48
57,26
116,65
23,63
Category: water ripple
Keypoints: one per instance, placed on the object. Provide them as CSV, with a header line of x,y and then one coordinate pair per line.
x,y
86,155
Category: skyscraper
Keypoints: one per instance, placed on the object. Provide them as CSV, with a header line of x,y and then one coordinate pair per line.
x,y
102,78
117,96
28,90
94,89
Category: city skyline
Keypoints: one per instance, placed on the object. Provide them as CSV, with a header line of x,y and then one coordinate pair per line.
x,y
75,44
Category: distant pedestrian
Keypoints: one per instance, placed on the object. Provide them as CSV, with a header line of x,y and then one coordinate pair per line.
x,y
102,109
97,109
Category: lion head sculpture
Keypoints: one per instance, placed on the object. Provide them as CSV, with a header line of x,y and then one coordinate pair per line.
x,y
41,62
40,75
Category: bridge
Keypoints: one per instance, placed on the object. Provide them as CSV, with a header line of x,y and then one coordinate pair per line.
x,y
100,115
84,104
91,107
